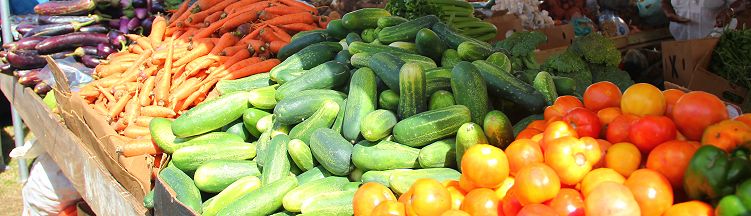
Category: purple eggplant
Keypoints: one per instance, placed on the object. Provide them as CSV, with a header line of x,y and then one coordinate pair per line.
x,y
90,61
25,43
84,50
70,41
133,24
146,25
123,24
117,39
42,88
114,23
23,28
68,19
141,13
61,55
6,69
26,59
104,50
139,3
94,28
156,7
65,7
31,78
56,29
20,73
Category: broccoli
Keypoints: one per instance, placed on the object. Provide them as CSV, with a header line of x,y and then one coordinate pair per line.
x,y
568,64
617,76
521,47
596,49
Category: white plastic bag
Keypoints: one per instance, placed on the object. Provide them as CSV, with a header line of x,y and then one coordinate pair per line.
x,y
47,191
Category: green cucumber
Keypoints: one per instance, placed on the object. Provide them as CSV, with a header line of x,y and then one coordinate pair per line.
x,y
277,164
438,79
380,177
161,134
148,200
390,155
234,191
207,138
250,119
411,47
352,37
509,87
441,99
362,47
450,58
387,66
470,90
263,201
210,115
468,135
427,127
441,153
325,76
216,175
362,59
283,213
322,118
501,61
376,41
285,76
412,99
471,51
301,42
332,203
238,128
264,123
263,98
498,129
388,100
343,57
377,125
293,201
355,175
360,101
451,37
441,72
339,121
522,124
300,154
299,35
544,84
336,29
243,84
317,172
185,190
278,128
429,44
406,31
400,182
389,21
367,35
364,18
261,146
308,57
189,158
298,106
564,85
332,151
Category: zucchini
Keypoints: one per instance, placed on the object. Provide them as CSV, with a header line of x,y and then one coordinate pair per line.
x,y
389,21
544,84
308,57
441,153
250,119
300,154
277,164
451,37
216,175
362,47
285,76
234,191
388,100
468,135
470,90
450,58
189,158
406,31
429,44
185,190
210,115
509,87
387,66
400,182
317,172
336,29
412,99
322,118
427,127
380,177
243,84
360,101
301,41
263,98
298,106
441,99
389,155
328,75
263,201
161,134
377,125
332,151
498,129
501,61
352,37
411,47
294,200
363,18
471,51
332,203
238,128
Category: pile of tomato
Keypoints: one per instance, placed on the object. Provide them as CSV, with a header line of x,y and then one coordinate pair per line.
x,y
611,153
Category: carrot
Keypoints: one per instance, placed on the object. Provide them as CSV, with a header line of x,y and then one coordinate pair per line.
x,y
180,11
254,34
138,147
234,21
295,3
228,39
256,46
205,32
185,89
240,4
303,17
145,93
88,92
163,86
275,46
119,106
199,64
149,71
158,28
231,51
187,34
258,6
323,21
284,10
135,48
122,56
143,121
131,74
267,34
205,4
216,16
239,56
157,111
132,110
118,125
266,15
200,50
200,91
281,34
300,27
256,68
135,131
101,109
106,93
200,16
107,70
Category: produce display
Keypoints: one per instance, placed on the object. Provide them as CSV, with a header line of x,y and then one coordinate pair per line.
x,y
458,14
730,61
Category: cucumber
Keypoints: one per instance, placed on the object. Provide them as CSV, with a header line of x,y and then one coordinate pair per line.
x,y
300,154
261,146
377,125
298,106
363,47
356,175
250,119
343,57
527,76
400,182
283,213
390,155
429,44
362,59
238,128
339,121
389,21
438,79
352,186
332,203
294,200
468,135
441,99
470,90
317,172
450,58
303,33
264,123
451,37
207,138
285,76
189,158
360,101
234,191
387,66
332,151
471,51
263,201
278,128
544,84
501,61
363,18
412,99
216,175
406,31
161,134
564,85
522,124
328,75
427,127
263,98
243,84
441,153
352,37
277,165
185,190
336,29
368,36
509,87
388,100
411,47
210,115
301,42
322,118
441,72
380,177
308,58
148,200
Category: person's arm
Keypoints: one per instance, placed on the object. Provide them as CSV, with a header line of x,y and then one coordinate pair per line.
x,y
724,17
669,11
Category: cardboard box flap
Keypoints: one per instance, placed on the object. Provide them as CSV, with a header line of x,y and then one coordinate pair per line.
x,y
680,58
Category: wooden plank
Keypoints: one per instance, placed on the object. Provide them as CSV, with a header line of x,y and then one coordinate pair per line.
x,y
95,184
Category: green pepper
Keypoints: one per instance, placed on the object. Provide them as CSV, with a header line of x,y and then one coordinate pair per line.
x,y
737,204
712,173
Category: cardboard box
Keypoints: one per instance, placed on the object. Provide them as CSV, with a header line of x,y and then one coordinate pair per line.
x,y
558,36
506,24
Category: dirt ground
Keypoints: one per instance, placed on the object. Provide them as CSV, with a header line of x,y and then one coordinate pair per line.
x,y
10,187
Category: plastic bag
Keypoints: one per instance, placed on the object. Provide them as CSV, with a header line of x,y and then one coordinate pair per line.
x,y
47,191
77,74
612,25
28,151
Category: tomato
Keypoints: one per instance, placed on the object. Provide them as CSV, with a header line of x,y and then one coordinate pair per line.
x,y
697,110
555,130
572,158
650,131
745,118
568,202
643,99
536,183
598,176
604,146
537,138
671,160
485,165
457,195
611,198
538,124
602,95
521,153
671,96
561,106
510,204
368,196
585,122
481,201
690,208
454,212
651,190
607,115
429,197
528,133
465,184
727,135
623,157
406,200
618,130
501,191
388,207
536,210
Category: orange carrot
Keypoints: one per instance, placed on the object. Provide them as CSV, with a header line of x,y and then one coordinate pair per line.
x,y
135,48
300,27
216,16
275,46
237,5
303,17
157,111
143,121
163,86
256,46
206,4
253,35
284,10
138,147
239,56
158,27
200,91
88,92
228,39
199,64
132,110
119,106
205,32
200,50
200,16
258,6
149,71
187,34
118,125
267,34
185,89
231,51
107,70
180,11
259,67
144,96
238,20
267,16
106,93
131,74
101,109
281,34
295,3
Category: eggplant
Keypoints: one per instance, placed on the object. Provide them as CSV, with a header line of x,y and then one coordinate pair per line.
x,y
146,25
23,28
25,43
72,7
94,28
31,78
61,55
104,50
114,23
84,50
68,19
42,88
56,29
141,13
117,39
156,7
26,59
123,24
133,24
20,73
70,41
139,3
90,61
6,69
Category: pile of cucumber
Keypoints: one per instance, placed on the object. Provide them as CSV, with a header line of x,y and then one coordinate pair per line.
x,y
340,111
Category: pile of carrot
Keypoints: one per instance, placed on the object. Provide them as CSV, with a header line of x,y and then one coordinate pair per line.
x,y
178,64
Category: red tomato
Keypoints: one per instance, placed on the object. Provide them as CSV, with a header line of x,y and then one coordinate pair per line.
x,y
368,196
481,201
671,160
568,202
510,204
561,106
697,110
651,131
690,208
555,130
618,130
585,122
602,95
536,210
671,96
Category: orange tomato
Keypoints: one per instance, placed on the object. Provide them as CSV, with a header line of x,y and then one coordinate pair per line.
x,y
651,190
510,204
607,115
650,131
536,183
745,118
568,202
598,176
457,195
697,110
390,208
624,158
485,165
536,210
585,122
465,184
368,196
501,191
538,124
671,160
690,208
643,99
481,201
406,200
604,146
561,106
611,198
555,130
454,212
671,96
727,135
429,197
602,95
528,133
618,130
572,158
521,153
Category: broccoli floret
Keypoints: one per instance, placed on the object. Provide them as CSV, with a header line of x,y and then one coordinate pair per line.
x,y
596,49
568,64
617,76
522,43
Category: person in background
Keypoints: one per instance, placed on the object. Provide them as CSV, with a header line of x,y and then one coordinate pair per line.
x,y
695,19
